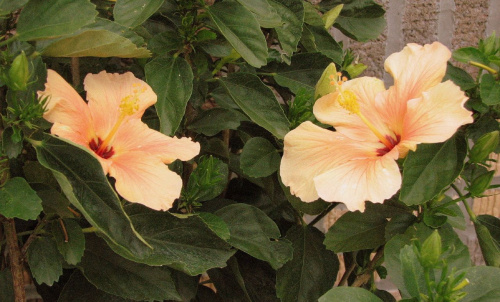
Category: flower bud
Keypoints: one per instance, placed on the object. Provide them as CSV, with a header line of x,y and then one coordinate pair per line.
x,y
431,250
19,73
481,183
484,146
324,86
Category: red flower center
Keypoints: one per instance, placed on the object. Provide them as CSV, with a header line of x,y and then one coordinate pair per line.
x,y
95,146
394,142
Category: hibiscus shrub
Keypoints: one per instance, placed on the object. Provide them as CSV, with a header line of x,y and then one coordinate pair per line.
x,y
186,150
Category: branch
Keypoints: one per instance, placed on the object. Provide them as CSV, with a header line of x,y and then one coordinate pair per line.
x,y
16,259
365,277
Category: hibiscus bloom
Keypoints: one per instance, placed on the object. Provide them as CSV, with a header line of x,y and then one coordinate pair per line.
x,y
110,126
374,127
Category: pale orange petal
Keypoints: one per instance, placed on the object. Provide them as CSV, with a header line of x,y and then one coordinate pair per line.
x,y
134,135
105,91
143,178
310,151
437,115
356,181
328,111
66,108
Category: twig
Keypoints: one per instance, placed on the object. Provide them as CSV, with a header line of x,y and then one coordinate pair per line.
x,y
16,259
347,273
363,278
324,213
75,71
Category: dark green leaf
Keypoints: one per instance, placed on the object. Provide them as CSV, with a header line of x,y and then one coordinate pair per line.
x,y
351,294
165,42
468,54
54,202
172,80
208,180
78,289
44,260
247,40
253,232
311,272
460,77
490,90
6,286
488,232
493,225
259,158
412,272
121,277
212,121
257,101
48,19
216,224
432,168
361,20
303,73
132,13
399,224
10,147
70,240
229,282
81,177
312,16
7,6
292,16
457,219
267,15
318,39
483,284
18,200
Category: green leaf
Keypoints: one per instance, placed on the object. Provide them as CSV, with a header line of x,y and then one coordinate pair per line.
x,y
259,158
432,168
460,77
216,224
172,80
44,260
19,200
485,145
312,16
7,6
132,13
361,20
311,208
81,177
229,282
312,270
303,73
121,277
468,54
483,284
212,121
6,286
9,147
70,240
351,294
257,101
412,271
292,16
48,19
331,16
101,39
267,15
186,244
165,42
247,40
359,230
489,90
208,180
318,39
78,289
252,230
488,234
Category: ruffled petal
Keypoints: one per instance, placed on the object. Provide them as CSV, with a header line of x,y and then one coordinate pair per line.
x,y
437,115
310,151
356,181
66,109
143,178
134,135
327,110
105,91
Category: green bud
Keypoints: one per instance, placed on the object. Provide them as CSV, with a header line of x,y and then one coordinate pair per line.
x,y
330,16
355,70
431,250
484,146
481,183
324,86
19,73
489,248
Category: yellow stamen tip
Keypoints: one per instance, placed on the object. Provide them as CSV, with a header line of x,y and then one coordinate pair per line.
x,y
129,105
348,100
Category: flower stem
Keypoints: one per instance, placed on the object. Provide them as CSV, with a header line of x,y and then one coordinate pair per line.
x,y
487,68
324,213
9,40
366,276
466,204
16,259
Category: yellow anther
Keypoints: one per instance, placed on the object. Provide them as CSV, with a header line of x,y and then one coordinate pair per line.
x,y
129,104
347,99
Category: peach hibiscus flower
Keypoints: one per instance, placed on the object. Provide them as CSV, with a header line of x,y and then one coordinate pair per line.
x,y
374,127
110,126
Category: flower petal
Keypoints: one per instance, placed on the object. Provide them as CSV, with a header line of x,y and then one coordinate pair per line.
x,y
327,110
134,135
143,178
437,115
105,91
310,151
354,182
66,109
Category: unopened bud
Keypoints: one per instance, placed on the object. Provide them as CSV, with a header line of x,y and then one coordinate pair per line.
x,y
431,250
484,146
19,73
481,183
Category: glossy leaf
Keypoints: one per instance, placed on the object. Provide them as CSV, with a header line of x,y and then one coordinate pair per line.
x,y
483,284
266,15
412,272
490,90
312,270
351,294
488,234
216,224
229,282
7,6
208,180
172,81
44,260
11,147
318,39
292,16
121,277
132,13
212,121
81,178
70,241
460,77
468,54
430,169
19,200
252,231
43,19
257,101
78,289
247,40
259,158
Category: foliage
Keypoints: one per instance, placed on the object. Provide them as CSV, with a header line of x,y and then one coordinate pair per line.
x,y
235,76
